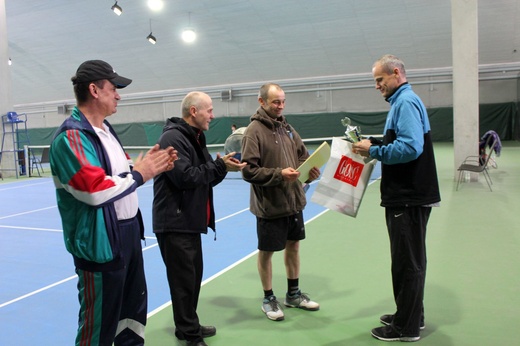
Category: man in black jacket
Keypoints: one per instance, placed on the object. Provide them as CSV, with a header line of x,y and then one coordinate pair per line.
x,y
183,209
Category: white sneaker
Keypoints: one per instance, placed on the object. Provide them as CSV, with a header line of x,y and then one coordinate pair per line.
x,y
272,309
301,301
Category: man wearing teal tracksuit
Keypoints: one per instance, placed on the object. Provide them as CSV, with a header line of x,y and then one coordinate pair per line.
x,y
97,200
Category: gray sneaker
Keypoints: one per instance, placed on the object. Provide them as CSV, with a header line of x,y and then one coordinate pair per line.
x,y
272,309
302,301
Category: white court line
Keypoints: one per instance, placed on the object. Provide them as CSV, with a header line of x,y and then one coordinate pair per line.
x,y
26,212
167,304
52,285
231,266
33,228
37,291
20,186
72,277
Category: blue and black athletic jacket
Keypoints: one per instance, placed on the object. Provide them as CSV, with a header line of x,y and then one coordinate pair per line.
x,y
409,174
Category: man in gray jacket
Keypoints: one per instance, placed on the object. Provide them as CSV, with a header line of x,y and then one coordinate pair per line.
x,y
273,150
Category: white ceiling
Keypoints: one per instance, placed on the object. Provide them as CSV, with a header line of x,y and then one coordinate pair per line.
x,y
239,41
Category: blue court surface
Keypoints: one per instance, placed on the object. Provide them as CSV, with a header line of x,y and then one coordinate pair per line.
x,y
38,295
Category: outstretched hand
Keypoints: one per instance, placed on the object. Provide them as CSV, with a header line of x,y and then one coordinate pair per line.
x,y
232,164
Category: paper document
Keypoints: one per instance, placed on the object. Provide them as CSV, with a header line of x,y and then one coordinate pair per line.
x,y
318,158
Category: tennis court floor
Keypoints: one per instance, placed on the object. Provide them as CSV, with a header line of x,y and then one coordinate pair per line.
x,y
472,285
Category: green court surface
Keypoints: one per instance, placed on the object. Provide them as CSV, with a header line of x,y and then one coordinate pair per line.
x,y
472,285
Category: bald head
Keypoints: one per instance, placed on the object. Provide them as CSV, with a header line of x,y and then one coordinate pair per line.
x,y
197,110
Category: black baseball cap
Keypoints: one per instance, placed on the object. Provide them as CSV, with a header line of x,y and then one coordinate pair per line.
x,y
93,70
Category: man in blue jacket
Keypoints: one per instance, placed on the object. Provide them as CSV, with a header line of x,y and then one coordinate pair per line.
x,y
409,190
183,210
97,200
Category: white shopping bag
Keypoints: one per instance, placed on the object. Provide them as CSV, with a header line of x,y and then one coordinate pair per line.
x,y
344,179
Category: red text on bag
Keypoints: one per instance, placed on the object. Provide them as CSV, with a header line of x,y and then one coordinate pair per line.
x,y
349,171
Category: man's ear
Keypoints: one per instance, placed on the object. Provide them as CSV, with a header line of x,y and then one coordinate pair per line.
x,y
193,110
93,89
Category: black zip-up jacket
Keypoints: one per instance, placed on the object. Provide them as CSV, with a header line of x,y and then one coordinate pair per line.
x,y
181,195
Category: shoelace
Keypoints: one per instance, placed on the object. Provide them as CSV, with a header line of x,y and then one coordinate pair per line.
x,y
302,296
305,296
273,303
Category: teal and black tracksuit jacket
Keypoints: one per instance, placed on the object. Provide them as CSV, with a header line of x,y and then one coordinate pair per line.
x,y
107,252
85,191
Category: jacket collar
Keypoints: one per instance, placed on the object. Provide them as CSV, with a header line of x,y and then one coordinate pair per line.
x,y
272,123
397,91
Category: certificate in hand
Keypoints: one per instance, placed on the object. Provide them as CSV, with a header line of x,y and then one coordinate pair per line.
x,y
318,158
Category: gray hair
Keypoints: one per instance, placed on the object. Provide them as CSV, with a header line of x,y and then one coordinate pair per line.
x,y
193,98
389,62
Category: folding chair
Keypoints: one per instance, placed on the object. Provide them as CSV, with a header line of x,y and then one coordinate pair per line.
x,y
39,161
479,164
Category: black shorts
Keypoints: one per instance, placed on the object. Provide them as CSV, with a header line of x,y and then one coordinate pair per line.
x,y
274,233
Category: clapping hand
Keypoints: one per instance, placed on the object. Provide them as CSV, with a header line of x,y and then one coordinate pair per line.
x,y
232,164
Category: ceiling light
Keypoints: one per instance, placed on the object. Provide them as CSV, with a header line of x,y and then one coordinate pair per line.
x,y
189,35
117,9
151,37
155,5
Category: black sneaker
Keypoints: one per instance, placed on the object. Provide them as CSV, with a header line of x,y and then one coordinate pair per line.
x,y
387,333
205,331
387,320
208,331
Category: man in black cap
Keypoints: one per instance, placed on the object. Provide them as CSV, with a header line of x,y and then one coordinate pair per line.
x,y
96,186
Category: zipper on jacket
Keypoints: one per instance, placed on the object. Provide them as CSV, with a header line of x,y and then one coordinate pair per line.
x,y
282,144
